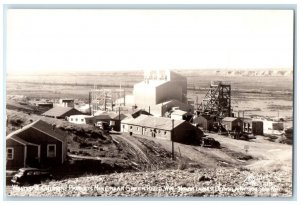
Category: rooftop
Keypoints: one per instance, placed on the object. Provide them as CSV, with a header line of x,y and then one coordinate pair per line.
x,y
151,83
154,122
41,126
85,116
179,112
229,119
58,111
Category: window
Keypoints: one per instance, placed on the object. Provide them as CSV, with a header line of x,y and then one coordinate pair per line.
x,y
130,127
165,132
51,150
82,120
76,119
137,129
71,119
10,153
123,126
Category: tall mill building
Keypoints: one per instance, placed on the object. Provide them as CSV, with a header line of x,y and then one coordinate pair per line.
x,y
160,86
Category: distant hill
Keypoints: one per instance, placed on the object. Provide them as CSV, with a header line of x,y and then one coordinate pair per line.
x,y
239,72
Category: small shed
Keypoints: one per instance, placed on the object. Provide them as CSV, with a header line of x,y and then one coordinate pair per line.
x,y
116,119
278,126
232,124
204,121
66,102
61,112
257,127
179,115
44,105
247,124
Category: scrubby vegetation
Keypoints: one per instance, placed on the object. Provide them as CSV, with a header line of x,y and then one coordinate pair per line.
x,y
189,182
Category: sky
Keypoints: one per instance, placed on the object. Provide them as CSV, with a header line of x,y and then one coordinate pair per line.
x,y
98,40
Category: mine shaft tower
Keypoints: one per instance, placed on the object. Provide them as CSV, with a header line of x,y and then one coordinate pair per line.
x,y
217,100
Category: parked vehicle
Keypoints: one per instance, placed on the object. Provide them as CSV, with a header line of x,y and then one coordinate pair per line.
x,y
30,176
104,126
210,142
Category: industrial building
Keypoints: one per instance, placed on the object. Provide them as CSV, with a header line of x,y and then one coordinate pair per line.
x,y
164,109
160,87
163,128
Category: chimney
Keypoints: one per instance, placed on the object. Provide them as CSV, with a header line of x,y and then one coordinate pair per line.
x,y
53,126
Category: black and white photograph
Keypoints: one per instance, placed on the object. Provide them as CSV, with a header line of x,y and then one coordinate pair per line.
x,y
149,102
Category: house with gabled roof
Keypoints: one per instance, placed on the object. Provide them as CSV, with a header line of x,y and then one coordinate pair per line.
x,y
38,144
61,112
232,124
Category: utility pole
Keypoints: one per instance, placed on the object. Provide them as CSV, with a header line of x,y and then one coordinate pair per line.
x,y
172,137
90,102
124,96
119,118
105,102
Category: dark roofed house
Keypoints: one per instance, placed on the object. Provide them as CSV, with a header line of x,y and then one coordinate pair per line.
x,y
116,119
38,144
61,112
160,127
204,121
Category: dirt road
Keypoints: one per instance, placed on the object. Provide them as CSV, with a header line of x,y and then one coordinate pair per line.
x,y
268,155
263,154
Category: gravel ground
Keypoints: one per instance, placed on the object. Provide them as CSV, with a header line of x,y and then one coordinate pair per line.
x,y
190,182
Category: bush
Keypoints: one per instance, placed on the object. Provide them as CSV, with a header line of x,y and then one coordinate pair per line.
x,y
182,165
16,122
85,144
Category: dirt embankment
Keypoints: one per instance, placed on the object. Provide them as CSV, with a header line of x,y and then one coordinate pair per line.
x,y
90,149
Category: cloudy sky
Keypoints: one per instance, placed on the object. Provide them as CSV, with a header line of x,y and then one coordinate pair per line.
x,y
77,40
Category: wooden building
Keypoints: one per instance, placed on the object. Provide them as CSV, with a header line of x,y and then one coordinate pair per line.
x,y
232,124
38,144
163,128
204,121
258,127
61,112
